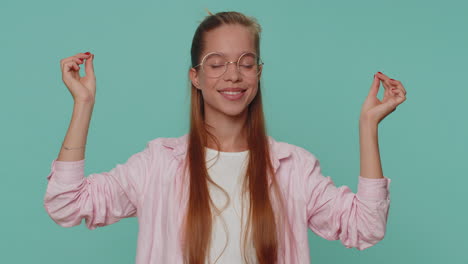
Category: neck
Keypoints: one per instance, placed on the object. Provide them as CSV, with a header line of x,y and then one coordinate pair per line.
x,y
229,130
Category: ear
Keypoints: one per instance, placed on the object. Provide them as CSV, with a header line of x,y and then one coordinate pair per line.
x,y
193,74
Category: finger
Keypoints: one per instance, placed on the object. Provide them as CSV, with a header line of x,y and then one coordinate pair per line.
x,y
85,55
386,81
81,56
89,67
398,84
78,61
68,60
382,76
392,93
70,67
395,92
399,95
374,90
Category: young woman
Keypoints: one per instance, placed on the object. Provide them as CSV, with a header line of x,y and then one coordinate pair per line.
x,y
226,192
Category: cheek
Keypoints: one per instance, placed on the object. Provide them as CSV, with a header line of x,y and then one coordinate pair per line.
x,y
208,88
206,83
253,91
254,86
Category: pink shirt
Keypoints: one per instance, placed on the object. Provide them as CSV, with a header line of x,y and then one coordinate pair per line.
x,y
149,186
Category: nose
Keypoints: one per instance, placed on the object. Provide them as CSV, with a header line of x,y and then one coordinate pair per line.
x,y
232,73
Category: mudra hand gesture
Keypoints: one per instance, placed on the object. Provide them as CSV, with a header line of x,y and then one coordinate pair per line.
x,y
374,110
83,89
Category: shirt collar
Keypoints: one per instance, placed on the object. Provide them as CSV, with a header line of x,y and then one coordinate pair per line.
x,y
179,147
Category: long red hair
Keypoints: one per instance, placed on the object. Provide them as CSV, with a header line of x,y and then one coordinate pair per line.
x,y
264,224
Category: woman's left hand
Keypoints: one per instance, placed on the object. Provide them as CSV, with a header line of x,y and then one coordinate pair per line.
x,y
375,110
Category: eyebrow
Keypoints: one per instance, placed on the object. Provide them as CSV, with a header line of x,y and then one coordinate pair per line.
x,y
242,52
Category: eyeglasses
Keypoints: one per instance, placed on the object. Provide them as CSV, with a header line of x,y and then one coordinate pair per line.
x,y
215,64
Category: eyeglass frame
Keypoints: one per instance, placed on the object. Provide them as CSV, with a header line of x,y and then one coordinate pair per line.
x,y
227,62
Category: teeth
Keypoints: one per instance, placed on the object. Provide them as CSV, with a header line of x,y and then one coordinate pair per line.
x,y
232,93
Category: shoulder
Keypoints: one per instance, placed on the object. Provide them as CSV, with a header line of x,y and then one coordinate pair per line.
x,y
294,153
162,142
294,170
172,146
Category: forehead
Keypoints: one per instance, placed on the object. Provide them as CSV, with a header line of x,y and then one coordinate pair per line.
x,y
231,40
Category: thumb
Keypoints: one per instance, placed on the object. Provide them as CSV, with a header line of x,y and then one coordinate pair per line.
x,y
374,90
89,67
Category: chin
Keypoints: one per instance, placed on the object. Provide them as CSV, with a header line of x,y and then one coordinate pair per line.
x,y
234,111
227,108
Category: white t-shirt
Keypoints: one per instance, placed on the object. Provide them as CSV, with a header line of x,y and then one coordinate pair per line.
x,y
227,171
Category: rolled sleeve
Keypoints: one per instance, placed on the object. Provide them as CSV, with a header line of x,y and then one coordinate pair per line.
x,y
69,171
358,220
373,189
100,198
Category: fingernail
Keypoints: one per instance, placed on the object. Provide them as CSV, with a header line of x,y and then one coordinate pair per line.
x,y
380,72
392,79
87,53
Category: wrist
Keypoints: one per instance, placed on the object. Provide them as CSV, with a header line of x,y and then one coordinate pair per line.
x,y
368,122
83,107
84,102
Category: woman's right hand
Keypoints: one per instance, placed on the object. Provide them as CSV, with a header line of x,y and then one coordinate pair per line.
x,y
83,89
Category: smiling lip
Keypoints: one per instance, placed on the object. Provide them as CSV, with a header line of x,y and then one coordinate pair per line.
x,y
232,94
232,89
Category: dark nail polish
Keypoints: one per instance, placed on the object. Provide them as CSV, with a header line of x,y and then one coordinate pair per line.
x,y
87,53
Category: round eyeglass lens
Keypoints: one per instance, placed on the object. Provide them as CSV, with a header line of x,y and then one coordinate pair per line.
x,y
215,65
248,65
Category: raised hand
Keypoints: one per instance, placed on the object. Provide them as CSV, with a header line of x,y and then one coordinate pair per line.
x,y
83,89
375,110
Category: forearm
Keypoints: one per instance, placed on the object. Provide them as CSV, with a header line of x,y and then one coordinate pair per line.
x,y
371,166
77,133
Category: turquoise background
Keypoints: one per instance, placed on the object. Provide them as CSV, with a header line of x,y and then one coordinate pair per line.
x,y
320,57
